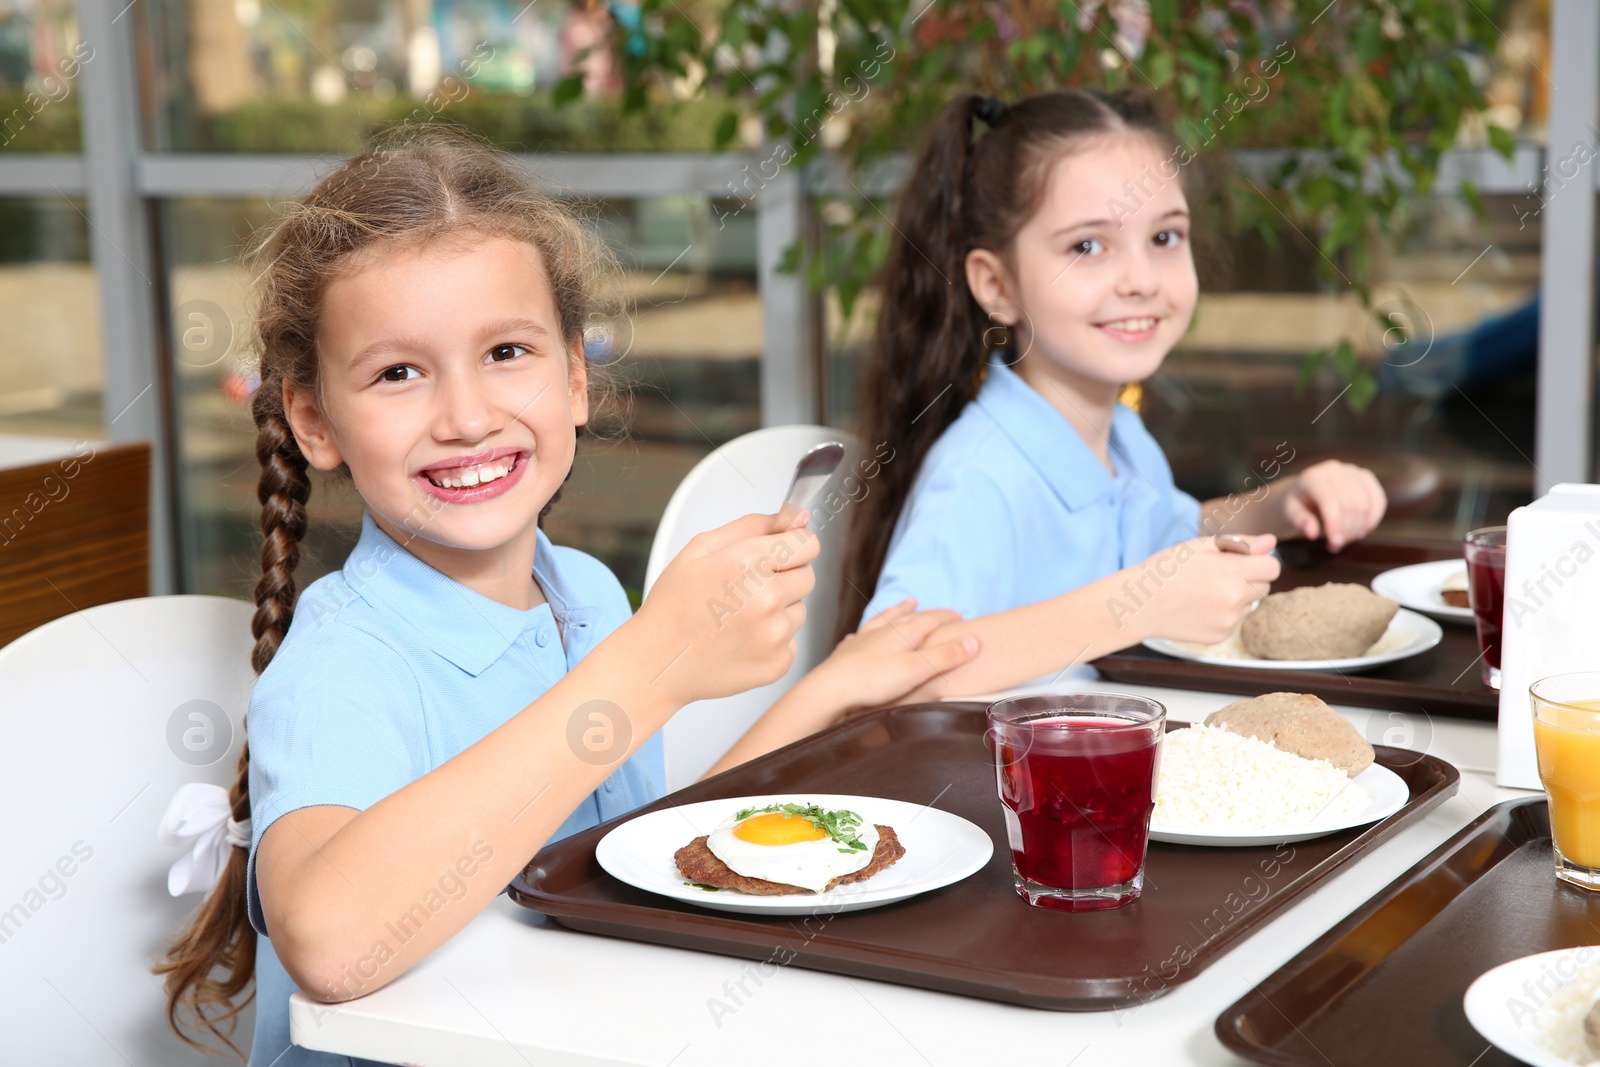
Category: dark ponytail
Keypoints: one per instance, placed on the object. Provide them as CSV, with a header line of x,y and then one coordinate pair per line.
x,y
932,339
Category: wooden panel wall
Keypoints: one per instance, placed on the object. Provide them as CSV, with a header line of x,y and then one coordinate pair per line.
x,y
74,532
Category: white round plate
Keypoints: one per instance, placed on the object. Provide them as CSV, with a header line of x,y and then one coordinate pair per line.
x,y
941,849
1408,634
1417,587
1498,1005
1387,789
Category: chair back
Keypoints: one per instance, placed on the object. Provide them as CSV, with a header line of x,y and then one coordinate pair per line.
x,y
103,714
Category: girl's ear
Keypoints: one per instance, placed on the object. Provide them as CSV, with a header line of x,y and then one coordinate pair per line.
x,y
311,430
990,284
578,381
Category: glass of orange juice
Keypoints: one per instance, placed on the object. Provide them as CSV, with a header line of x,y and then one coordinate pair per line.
x,y
1566,737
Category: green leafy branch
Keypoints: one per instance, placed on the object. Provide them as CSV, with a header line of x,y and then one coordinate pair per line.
x,y
1366,96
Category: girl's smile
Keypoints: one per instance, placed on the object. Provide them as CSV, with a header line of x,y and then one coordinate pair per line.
x,y
469,479
1132,330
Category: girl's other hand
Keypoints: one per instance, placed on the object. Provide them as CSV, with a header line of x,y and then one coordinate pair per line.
x,y
1194,591
723,615
1338,501
891,655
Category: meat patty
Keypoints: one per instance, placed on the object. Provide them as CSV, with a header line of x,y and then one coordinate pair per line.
x,y
699,864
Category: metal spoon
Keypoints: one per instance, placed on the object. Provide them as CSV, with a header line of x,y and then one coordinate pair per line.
x,y
812,473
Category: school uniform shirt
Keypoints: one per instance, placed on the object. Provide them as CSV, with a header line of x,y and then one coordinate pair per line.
x,y
389,669
1011,507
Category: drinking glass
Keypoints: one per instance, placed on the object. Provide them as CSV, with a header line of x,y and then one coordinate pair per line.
x,y
1077,779
1485,550
1566,738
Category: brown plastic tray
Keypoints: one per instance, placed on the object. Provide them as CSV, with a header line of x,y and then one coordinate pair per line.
x,y
977,937
1445,680
1386,984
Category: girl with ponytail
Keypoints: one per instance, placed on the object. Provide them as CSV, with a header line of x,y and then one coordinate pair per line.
x,y
462,691
1042,262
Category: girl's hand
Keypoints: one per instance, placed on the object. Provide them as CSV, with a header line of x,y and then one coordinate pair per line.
x,y
722,617
1339,501
1193,591
891,655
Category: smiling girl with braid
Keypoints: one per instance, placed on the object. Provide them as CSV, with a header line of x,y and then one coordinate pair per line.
x,y
462,691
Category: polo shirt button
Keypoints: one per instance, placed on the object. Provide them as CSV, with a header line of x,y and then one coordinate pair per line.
x,y
610,786
541,637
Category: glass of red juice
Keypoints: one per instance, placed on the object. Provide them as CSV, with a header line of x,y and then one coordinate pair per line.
x,y
1485,550
1077,779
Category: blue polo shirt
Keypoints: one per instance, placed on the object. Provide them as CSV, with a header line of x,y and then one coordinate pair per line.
x,y
1011,507
388,670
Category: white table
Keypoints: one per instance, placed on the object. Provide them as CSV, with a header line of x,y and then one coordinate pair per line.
x,y
514,989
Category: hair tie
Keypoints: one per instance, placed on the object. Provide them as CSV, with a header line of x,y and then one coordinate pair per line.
x,y
200,819
991,109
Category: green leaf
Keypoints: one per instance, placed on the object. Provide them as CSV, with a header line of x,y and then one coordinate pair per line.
x,y
1503,141
1363,387
568,89
1160,68
789,262
1469,193
727,128
735,30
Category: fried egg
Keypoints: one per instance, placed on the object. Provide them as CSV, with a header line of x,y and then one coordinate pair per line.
x,y
780,847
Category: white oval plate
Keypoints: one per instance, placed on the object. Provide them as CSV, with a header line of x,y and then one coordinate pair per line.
x,y
1387,789
1408,635
941,849
1491,1001
1417,587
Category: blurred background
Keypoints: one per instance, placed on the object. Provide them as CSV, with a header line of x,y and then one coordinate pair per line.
x,y
140,148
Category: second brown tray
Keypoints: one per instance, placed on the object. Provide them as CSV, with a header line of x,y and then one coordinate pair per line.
x,y
1445,680
977,937
1386,984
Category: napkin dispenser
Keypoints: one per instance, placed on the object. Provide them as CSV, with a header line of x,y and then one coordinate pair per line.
x,y
1552,612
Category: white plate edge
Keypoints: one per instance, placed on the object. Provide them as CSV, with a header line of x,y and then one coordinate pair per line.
x,y
1436,635
1286,833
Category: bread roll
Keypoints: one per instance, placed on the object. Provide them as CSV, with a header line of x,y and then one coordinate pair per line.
x,y
1298,723
1334,621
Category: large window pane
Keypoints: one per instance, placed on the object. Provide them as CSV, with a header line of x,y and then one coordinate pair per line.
x,y
1451,430
40,60
686,366
320,75
52,376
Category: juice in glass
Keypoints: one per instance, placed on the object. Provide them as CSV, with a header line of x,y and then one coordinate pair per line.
x,y
1485,550
1076,775
1566,737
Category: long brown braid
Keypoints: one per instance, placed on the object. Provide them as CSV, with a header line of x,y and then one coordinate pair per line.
x,y
411,186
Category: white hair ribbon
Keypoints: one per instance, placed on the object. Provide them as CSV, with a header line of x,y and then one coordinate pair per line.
x,y
199,817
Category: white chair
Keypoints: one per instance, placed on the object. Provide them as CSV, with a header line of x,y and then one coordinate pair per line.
x,y
750,474
103,713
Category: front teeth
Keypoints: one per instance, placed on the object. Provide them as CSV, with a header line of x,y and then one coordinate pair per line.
x,y
473,476
1132,325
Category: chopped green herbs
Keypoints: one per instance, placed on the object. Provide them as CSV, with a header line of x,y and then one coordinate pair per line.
x,y
842,826
702,885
